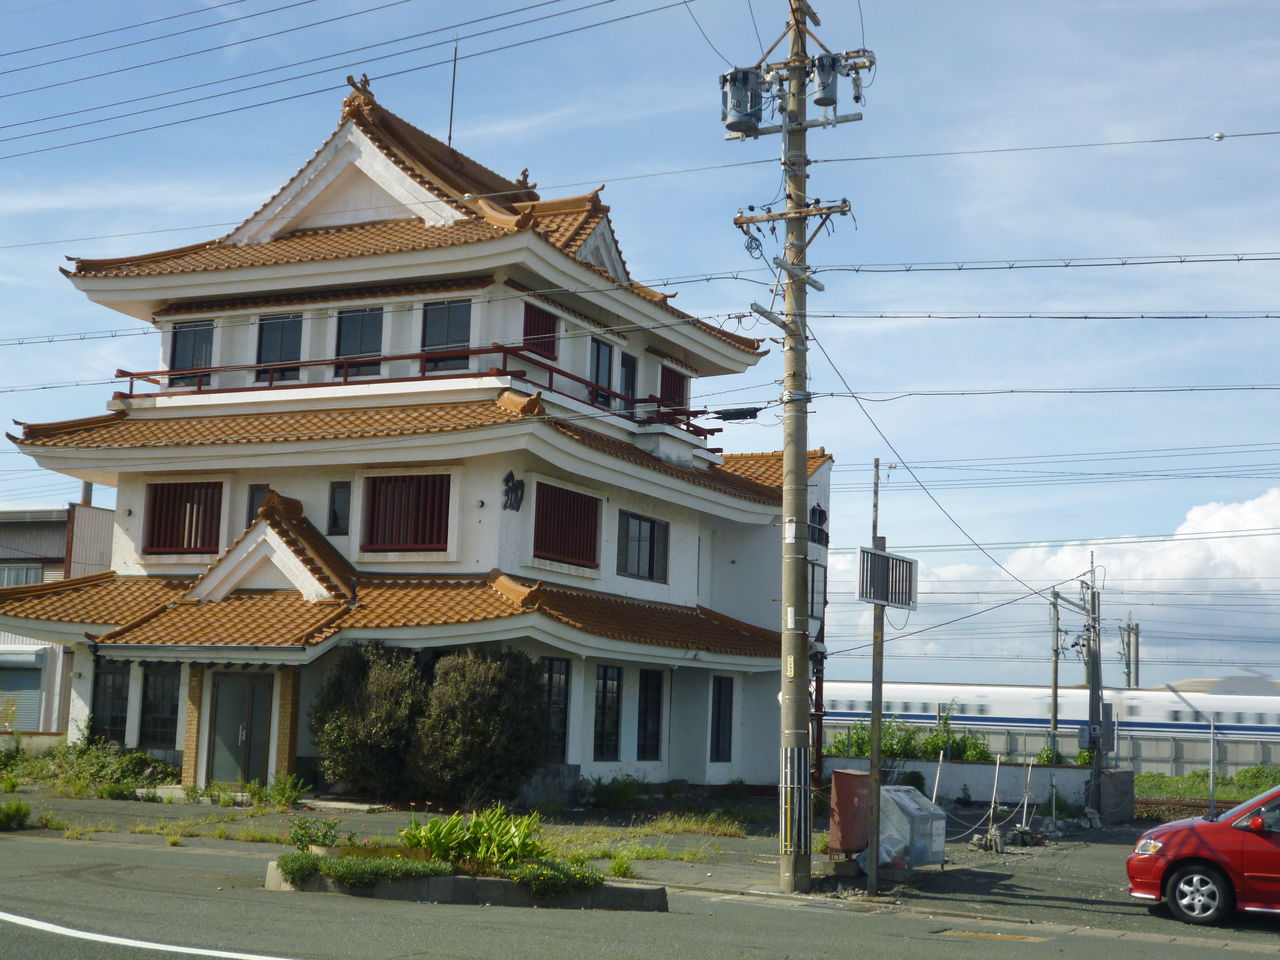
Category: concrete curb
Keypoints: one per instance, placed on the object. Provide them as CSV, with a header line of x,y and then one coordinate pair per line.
x,y
482,891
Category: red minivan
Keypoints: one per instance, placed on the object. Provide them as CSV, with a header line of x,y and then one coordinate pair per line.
x,y
1205,868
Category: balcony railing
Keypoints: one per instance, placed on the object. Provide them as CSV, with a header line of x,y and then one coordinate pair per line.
x,y
517,362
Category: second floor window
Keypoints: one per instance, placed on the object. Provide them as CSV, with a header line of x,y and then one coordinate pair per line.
x,y
642,547
191,349
183,517
601,372
628,379
817,589
566,526
407,513
279,340
540,331
674,388
339,524
359,335
257,496
447,326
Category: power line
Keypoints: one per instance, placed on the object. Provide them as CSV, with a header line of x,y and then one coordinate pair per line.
x,y
1213,137
135,43
195,53
129,26
1044,263
328,89
363,62
1241,534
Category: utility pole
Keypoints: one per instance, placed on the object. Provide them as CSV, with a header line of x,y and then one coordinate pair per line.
x,y
1053,704
1135,632
877,704
1096,738
741,111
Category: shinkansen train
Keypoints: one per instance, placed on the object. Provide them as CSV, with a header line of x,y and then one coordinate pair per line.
x,y
1152,711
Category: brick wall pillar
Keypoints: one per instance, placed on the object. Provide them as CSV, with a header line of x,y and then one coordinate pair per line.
x,y
287,726
191,737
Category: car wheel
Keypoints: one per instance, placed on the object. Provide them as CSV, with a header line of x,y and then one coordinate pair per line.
x,y
1198,893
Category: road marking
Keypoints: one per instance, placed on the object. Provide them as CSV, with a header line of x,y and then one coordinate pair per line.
x,y
126,942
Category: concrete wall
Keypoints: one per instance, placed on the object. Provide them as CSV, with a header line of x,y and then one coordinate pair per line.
x,y
955,776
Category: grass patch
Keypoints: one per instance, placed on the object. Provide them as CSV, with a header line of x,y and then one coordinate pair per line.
x,y
707,824
621,867
47,821
85,831
1195,786
173,840
14,815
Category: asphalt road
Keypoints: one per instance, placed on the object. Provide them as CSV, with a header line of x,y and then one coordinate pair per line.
x,y
206,896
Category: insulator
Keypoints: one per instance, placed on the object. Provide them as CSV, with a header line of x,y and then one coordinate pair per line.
x,y
825,71
741,104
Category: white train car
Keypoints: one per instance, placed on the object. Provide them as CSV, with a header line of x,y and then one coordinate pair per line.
x,y
1008,707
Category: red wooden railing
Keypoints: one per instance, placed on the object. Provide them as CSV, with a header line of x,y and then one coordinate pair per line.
x,y
516,362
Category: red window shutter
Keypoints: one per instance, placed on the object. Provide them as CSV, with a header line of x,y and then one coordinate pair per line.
x,y
407,513
566,526
183,517
539,331
674,388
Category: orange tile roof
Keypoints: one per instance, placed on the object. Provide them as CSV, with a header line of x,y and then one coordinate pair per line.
x,y
713,478
151,611
97,598
120,431
243,618
301,246
380,291
766,468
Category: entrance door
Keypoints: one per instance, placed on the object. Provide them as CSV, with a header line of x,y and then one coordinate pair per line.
x,y
240,729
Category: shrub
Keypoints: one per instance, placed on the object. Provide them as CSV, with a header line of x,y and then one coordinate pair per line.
x,y
286,790
547,878
297,868
13,815
912,778
492,838
8,784
90,763
305,832
365,716
117,791
1085,759
619,793
485,727
1257,778
906,741
1049,755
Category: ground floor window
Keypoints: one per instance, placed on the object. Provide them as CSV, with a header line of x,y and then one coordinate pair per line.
x,y
110,708
555,675
158,729
721,719
649,716
608,712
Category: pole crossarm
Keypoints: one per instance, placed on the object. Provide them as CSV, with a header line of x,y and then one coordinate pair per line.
x,y
800,214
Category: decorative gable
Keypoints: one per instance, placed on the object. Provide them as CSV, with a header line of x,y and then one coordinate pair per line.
x,y
601,249
280,550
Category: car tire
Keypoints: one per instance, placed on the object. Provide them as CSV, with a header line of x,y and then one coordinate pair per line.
x,y
1199,893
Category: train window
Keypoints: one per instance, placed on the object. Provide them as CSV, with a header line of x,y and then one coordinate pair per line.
x,y
1175,715
851,705
1239,718
1131,710
1261,718
982,709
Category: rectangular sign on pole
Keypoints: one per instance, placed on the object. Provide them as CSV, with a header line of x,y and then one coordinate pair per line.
x,y
886,578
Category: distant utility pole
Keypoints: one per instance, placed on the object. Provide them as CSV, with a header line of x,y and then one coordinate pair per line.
x,y
1094,738
742,107
1129,652
877,706
1056,647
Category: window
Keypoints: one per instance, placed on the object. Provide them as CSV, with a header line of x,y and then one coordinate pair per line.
x,y
20,574
257,495
601,372
642,547
158,728
608,712
627,379
447,326
359,335
674,389
539,331
183,517
555,676
339,508
649,716
110,700
817,525
566,526
279,340
407,513
191,349
721,719
817,589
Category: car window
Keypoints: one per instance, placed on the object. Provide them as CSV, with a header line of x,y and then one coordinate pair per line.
x,y
1273,803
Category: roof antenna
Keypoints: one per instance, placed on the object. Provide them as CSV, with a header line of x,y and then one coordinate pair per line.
x,y
453,89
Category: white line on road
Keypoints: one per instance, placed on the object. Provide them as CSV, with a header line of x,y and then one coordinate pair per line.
x,y
126,942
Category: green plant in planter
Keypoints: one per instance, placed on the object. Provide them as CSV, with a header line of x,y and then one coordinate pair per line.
x,y
548,878
305,832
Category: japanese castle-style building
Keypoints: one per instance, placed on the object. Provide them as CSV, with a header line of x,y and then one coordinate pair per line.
x,y
409,400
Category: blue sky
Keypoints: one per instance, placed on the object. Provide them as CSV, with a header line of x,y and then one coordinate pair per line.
x,y
640,97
